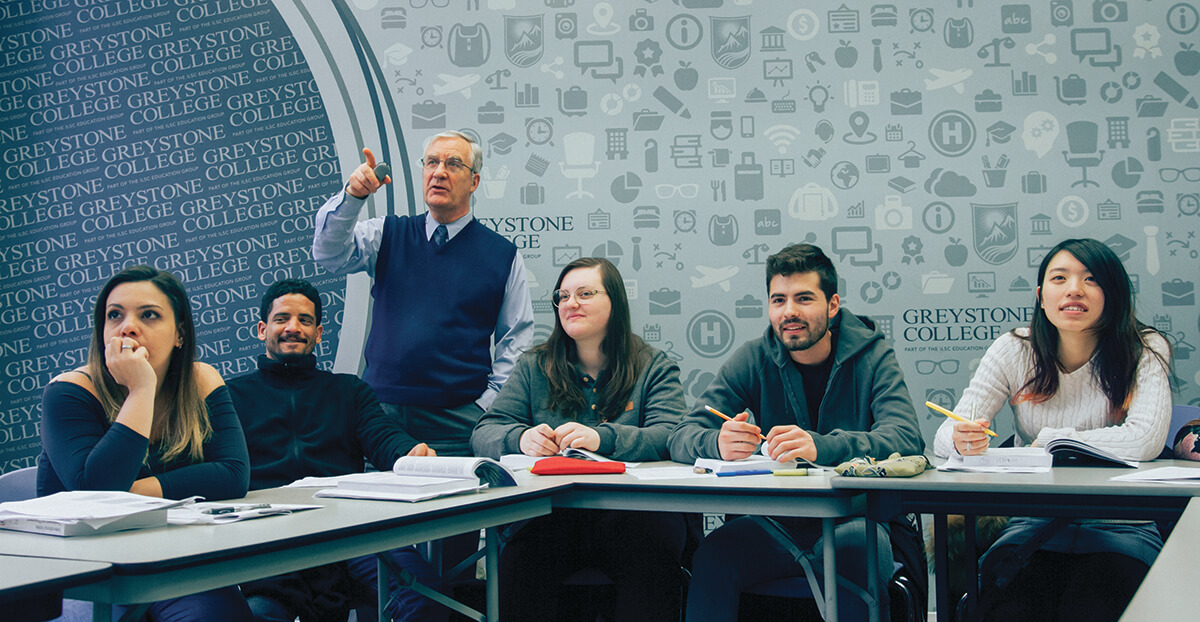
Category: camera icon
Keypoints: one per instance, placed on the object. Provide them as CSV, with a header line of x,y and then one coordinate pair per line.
x,y
1062,13
1107,11
893,215
640,21
566,25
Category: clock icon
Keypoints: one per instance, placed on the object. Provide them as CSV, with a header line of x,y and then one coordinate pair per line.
x,y
685,221
431,36
921,19
539,130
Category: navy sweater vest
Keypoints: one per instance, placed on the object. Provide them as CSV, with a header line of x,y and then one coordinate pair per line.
x,y
435,312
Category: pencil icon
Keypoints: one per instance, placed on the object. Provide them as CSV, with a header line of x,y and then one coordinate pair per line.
x,y
1177,91
672,102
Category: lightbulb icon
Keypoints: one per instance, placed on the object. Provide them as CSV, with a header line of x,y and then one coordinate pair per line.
x,y
818,95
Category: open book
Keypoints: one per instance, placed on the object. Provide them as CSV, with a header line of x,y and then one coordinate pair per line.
x,y
86,512
756,462
1002,460
1070,452
416,478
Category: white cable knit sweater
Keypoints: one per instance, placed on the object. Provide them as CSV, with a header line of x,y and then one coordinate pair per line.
x,y
1078,410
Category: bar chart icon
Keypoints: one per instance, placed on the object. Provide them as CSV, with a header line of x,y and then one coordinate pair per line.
x,y
1025,85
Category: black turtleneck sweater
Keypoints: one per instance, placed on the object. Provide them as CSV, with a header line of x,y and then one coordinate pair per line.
x,y
301,421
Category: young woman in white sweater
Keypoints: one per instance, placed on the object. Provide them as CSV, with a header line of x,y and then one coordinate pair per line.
x,y
1087,369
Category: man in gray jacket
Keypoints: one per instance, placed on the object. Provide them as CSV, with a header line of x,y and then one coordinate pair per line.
x,y
824,386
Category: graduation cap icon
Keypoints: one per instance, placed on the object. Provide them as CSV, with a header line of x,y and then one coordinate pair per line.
x,y
1000,132
501,143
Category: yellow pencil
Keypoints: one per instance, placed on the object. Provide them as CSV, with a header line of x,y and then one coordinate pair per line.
x,y
956,417
728,418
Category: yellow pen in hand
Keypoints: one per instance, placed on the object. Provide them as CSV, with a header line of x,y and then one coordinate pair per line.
x,y
728,418
956,417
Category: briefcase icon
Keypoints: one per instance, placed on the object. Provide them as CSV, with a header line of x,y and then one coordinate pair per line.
x,y
491,112
988,101
533,193
906,101
1033,182
646,120
665,301
428,115
1179,293
748,179
748,307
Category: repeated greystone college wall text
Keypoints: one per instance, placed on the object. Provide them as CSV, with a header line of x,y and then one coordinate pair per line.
x,y
935,149
184,135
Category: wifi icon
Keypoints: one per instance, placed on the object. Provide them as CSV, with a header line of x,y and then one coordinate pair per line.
x,y
782,136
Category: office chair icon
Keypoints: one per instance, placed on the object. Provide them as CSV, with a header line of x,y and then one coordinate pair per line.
x,y
1081,142
579,148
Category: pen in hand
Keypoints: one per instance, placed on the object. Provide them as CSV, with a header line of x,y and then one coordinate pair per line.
x,y
726,417
956,417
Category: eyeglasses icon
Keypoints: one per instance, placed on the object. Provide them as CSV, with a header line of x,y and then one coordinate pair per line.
x,y
948,366
686,191
1171,174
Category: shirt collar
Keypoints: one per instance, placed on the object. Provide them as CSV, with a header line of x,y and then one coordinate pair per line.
x,y
452,229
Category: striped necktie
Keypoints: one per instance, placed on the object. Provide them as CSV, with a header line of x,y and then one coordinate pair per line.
x,y
440,236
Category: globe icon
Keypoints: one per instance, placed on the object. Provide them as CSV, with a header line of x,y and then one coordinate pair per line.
x,y
844,175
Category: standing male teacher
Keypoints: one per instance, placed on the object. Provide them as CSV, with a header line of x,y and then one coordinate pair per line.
x,y
444,286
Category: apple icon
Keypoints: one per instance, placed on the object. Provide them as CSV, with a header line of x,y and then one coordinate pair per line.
x,y
1187,60
686,77
846,56
956,253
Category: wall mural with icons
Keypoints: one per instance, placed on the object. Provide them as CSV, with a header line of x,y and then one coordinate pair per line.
x,y
936,150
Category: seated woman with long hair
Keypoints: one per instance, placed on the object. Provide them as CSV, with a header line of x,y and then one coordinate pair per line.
x,y
1086,369
144,416
594,385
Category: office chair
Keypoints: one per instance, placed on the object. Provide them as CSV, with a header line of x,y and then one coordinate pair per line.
x,y
1180,414
579,148
18,485
1081,142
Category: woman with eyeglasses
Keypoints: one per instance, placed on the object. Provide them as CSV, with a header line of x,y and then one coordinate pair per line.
x,y
596,386
1086,369
144,416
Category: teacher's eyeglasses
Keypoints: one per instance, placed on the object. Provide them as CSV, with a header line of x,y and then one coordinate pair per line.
x,y
454,165
562,296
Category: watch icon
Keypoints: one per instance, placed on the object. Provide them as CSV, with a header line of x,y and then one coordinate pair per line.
x,y
539,130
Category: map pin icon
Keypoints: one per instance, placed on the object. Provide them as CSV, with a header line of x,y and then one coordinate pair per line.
x,y
858,123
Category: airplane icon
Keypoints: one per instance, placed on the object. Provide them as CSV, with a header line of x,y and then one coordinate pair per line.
x,y
714,276
953,78
455,84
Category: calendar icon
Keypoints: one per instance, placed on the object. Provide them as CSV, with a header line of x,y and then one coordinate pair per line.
x,y
652,333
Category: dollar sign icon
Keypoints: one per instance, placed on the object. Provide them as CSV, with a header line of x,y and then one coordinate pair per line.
x,y
1072,211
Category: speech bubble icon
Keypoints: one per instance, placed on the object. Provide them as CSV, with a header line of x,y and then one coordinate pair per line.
x,y
591,54
851,241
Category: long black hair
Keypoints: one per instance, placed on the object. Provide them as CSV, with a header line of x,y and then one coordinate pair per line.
x,y
623,351
1120,337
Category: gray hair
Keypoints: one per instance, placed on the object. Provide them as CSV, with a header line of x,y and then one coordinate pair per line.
x,y
476,151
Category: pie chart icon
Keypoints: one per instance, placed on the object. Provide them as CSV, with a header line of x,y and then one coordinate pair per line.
x,y
1127,173
626,187
610,250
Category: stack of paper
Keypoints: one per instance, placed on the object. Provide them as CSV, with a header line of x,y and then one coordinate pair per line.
x,y
86,512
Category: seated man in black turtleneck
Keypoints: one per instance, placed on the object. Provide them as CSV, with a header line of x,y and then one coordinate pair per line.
x,y
301,421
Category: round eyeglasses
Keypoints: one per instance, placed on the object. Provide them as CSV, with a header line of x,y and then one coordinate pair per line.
x,y
561,296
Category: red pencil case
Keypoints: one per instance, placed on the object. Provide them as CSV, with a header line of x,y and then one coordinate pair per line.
x,y
558,465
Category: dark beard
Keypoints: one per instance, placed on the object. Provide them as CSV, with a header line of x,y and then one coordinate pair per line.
x,y
799,344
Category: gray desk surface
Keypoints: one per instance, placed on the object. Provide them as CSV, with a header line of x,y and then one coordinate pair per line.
x,y
153,564
1166,590
29,576
1064,491
810,496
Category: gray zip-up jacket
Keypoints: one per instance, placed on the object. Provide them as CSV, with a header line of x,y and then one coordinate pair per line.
x,y
866,411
